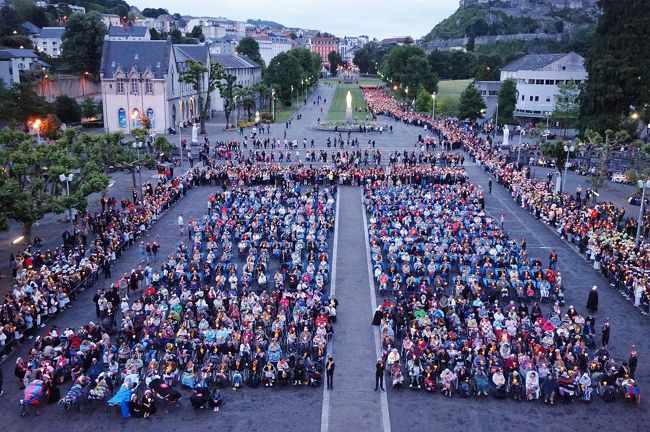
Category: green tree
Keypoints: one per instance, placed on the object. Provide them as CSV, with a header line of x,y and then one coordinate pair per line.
x,y
162,145
335,60
283,72
227,92
250,48
197,33
83,41
309,62
362,60
195,75
605,144
423,101
89,108
408,66
555,150
471,104
30,186
567,105
154,12
20,104
447,107
246,99
9,21
177,36
67,109
507,101
618,64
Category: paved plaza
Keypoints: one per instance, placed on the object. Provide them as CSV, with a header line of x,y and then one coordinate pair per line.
x,y
352,405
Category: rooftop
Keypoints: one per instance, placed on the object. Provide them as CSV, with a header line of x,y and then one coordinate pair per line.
x,y
52,33
127,31
533,62
233,61
138,54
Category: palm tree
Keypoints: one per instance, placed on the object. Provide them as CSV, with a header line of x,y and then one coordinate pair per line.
x,y
261,89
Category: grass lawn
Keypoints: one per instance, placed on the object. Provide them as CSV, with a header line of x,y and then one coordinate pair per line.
x,y
283,114
452,88
338,105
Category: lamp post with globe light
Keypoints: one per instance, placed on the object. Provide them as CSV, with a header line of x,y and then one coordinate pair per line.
x,y
643,185
568,148
67,179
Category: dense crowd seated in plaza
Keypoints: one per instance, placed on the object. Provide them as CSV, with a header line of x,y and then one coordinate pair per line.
x,y
466,310
602,232
46,281
242,301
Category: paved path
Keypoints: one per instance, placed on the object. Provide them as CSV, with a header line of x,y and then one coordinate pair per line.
x,y
353,403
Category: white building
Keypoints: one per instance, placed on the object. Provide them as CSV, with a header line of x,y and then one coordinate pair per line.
x,y
9,73
280,44
248,74
145,22
75,9
128,32
165,23
538,76
23,59
49,41
111,20
140,77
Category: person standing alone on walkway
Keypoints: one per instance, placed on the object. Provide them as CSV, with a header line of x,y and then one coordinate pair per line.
x,y
181,223
329,370
502,218
379,374
490,185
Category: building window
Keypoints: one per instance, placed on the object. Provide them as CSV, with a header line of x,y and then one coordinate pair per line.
x,y
121,118
536,98
134,87
531,99
539,82
120,86
550,82
148,86
548,99
523,98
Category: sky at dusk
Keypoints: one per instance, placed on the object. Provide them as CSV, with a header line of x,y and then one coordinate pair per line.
x,y
375,18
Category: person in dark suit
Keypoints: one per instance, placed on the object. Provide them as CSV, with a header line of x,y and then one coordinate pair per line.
x,y
379,374
329,371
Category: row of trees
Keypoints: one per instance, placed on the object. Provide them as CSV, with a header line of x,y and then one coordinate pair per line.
x,y
29,181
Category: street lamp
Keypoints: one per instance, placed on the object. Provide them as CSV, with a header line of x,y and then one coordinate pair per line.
x,y
521,132
568,148
67,179
137,146
273,104
302,89
37,125
292,97
643,185
433,113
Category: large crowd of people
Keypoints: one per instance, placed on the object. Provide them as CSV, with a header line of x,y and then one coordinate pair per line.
x,y
242,301
46,281
602,231
463,310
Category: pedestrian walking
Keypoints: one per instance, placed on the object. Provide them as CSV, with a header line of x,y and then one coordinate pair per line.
x,y
592,300
502,218
379,374
552,260
606,330
632,361
329,370
490,185
181,224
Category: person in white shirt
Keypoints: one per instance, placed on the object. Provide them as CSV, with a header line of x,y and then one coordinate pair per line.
x,y
181,223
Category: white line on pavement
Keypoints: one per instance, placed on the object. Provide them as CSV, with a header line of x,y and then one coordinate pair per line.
x,y
325,413
373,305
